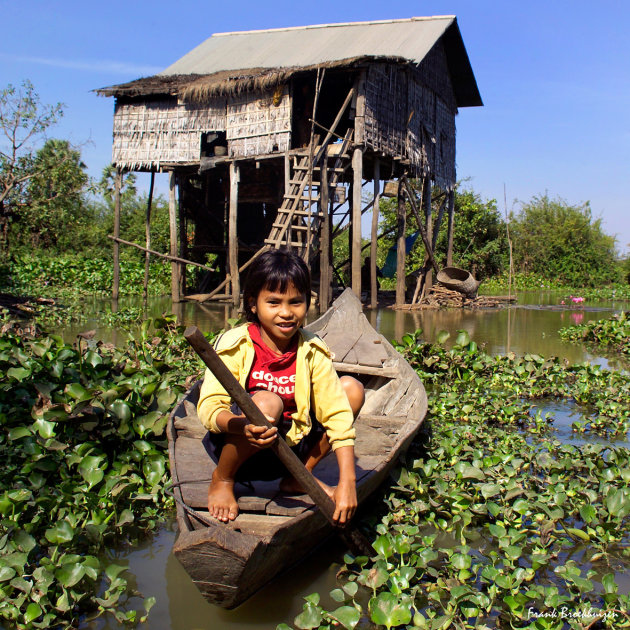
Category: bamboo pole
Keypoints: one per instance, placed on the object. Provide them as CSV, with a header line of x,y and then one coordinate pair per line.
x,y
117,187
357,171
423,233
232,234
374,233
160,255
147,234
172,220
354,538
438,222
401,248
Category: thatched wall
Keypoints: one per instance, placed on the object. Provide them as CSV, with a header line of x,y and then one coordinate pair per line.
x,y
258,124
150,132
411,114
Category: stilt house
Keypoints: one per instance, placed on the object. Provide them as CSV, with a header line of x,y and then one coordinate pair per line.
x,y
270,137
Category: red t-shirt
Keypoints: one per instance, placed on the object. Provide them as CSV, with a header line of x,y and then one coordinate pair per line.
x,y
274,373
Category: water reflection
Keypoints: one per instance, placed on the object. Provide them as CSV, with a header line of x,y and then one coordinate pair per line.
x,y
563,413
530,326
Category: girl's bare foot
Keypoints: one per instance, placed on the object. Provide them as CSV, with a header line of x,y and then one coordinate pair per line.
x,y
222,503
291,485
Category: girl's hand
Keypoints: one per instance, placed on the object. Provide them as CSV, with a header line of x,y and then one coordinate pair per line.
x,y
262,437
345,498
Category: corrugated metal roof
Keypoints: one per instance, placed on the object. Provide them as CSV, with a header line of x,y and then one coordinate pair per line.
x,y
308,46
409,39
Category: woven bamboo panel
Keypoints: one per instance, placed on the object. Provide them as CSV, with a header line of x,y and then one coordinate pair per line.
x,y
404,117
386,109
151,132
258,123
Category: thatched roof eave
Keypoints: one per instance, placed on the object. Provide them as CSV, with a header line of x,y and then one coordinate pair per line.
x,y
195,87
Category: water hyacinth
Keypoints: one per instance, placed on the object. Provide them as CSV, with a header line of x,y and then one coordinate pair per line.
x,y
612,333
85,466
492,522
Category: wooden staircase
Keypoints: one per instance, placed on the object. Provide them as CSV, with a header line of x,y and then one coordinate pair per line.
x,y
297,224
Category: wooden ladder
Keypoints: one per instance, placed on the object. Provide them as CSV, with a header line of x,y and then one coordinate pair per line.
x,y
297,222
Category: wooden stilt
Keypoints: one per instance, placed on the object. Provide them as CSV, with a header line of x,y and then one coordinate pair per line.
x,y
374,235
400,258
428,213
117,187
357,170
451,218
287,172
183,243
147,233
233,236
324,254
172,220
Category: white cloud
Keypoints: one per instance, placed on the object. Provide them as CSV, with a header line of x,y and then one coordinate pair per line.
x,y
104,66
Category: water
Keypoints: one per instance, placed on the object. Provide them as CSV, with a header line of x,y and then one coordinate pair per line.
x,y
180,606
530,326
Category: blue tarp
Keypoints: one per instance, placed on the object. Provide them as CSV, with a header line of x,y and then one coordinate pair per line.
x,y
389,268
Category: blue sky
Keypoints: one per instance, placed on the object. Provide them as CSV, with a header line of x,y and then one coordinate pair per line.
x,y
554,78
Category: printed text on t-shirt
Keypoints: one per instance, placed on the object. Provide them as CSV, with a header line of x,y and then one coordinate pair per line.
x,y
277,384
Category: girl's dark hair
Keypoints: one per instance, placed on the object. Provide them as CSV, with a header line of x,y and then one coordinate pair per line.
x,y
275,270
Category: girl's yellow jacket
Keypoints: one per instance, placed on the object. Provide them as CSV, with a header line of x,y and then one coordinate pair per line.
x,y
317,387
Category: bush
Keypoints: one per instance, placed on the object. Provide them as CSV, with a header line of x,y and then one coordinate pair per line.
x,y
54,275
564,243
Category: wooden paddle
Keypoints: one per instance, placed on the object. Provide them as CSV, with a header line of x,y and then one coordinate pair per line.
x,y
355,540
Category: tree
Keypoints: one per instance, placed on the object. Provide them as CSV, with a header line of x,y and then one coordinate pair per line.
x,y
479,243
54,214
23,122
132,215
479,236
563,242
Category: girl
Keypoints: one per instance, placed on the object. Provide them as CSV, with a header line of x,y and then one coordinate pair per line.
x,y
289,373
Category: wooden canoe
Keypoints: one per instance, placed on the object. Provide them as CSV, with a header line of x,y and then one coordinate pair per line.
x,y
230,562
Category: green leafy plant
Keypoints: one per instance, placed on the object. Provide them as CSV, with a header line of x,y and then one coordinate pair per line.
x,y
491,521
84,467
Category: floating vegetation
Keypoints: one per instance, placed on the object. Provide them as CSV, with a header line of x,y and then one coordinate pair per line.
x,y
84,467
492,522
612,333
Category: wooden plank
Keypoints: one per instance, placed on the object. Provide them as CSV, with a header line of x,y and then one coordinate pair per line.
x,y
385,372
371,441
370,353
247,523
341,342
190,427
